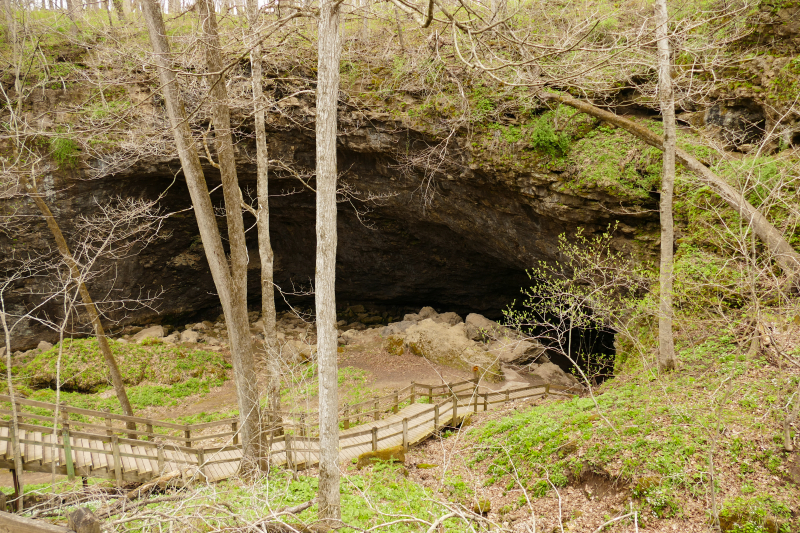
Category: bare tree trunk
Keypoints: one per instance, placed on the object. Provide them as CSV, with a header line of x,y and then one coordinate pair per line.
x,y
231,289
666,342
18,486
120,9
91,309
174,6
236,315
399,29
785,256
329,55
264,243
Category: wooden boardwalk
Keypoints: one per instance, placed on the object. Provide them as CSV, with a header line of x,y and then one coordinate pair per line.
x,y
87,443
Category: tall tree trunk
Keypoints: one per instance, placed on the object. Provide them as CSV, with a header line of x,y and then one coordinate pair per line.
x,y
120,9
231,289
783,253
264,242
19,486
666,97
91,309
236,315
329,53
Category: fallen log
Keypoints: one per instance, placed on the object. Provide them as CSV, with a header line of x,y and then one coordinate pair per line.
x,y
785,256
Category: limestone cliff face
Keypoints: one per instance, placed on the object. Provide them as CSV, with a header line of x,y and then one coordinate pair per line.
x,y
459,238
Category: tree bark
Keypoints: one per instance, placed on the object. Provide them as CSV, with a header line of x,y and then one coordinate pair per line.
x,y
666,97
236,316
785,256
329,54
119,8
232,293
264,242
91,309
19,487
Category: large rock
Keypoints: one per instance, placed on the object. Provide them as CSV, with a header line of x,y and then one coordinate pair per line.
x,y
395,453
480,328
448,318
552,373
153,332
190,335
518,352
43,346
397,328
449,345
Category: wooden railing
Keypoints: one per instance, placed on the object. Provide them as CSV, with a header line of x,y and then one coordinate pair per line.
x,y
294,438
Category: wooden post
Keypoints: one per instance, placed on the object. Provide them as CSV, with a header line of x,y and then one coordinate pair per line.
x,y
455,407
485,401
235,429
109,424
287,442
546,390
346,417
375,411
149,427
430,393
396,405
508,396
160,455
405,434
435,417
187,434
201,459
476,378
413,392
67,445
117,459
374,438
302,424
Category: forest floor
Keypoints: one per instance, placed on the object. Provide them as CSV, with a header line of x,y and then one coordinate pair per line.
x,y
641,452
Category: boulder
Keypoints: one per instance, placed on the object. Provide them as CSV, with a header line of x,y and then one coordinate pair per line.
x,y
298,351
190,335
83,520
449,345
173,338
395,453
480,328
153,332
372,320
552,374
358,326
427,312
411,317
351,336
397,328
518,352
43,346
448,318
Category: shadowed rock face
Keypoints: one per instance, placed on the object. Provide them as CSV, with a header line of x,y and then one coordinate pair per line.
x,y
464,250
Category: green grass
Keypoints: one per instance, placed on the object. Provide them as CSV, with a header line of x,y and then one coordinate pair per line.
x,y
83,367
666,430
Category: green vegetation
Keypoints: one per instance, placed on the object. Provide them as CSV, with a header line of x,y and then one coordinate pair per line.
x,y
64,151
83,367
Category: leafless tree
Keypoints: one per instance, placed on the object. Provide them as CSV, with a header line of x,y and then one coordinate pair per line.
x,y
666,342
329,54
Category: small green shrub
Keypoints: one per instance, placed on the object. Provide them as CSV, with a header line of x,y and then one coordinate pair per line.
x,y
64,151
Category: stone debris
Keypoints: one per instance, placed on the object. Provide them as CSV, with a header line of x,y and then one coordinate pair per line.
x,y
153,332
189,335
